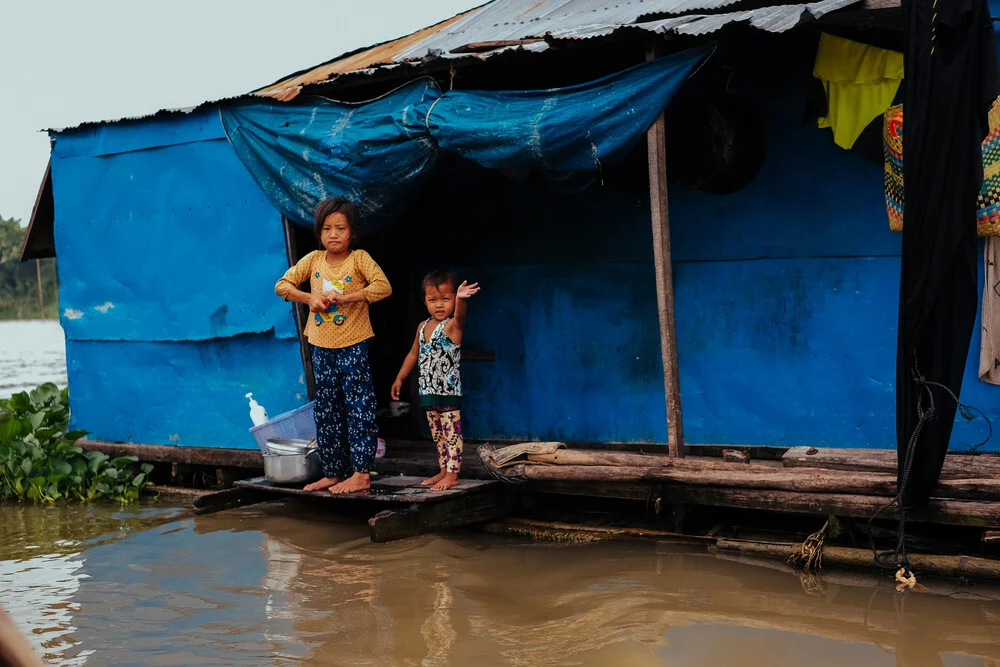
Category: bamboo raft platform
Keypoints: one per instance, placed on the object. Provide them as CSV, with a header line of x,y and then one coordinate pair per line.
x,y
409,509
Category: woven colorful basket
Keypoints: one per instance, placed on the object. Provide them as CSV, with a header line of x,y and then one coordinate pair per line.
x,y
988,214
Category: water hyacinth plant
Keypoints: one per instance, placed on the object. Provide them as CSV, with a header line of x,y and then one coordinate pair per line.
x,y
40,462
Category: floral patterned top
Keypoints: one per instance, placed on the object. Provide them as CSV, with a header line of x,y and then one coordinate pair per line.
x,y
440,382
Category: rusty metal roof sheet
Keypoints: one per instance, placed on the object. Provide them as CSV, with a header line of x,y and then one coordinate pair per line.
x,y
504,25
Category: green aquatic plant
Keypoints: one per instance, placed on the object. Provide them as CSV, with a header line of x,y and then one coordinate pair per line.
x,y
40,462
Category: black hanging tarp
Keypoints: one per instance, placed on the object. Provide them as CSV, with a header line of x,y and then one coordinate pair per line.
x,y
952,77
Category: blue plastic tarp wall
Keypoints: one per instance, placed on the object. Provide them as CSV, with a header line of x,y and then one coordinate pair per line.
x,y
379,153
168,253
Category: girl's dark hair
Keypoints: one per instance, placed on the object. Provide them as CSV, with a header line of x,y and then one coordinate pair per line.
x,y
439,277
343,205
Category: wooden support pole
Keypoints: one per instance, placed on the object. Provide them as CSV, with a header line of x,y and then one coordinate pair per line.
x,y
41,301
300,312
656,150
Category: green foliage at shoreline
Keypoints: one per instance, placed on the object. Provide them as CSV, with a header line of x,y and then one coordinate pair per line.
x,y
40,462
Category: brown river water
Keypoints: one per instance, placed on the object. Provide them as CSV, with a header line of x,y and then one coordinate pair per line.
x,y
282,583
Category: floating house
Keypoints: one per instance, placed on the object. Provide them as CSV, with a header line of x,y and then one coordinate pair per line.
x,y
778,329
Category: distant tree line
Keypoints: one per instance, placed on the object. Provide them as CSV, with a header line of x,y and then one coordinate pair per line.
x,y
19,281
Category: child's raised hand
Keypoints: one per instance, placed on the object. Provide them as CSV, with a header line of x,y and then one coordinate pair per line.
x,y
465,290
318,304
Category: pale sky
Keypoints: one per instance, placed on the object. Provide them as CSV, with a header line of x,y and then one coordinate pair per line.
x,y
63,62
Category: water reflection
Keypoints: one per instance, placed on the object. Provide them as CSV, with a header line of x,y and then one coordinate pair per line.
x,y
276,584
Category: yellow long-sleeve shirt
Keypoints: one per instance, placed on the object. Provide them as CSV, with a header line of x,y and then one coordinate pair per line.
x,y
342,325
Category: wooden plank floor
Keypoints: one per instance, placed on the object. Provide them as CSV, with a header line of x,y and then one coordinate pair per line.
x,y
398,489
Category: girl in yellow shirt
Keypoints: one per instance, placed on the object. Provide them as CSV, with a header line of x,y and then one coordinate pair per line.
x,y
343,282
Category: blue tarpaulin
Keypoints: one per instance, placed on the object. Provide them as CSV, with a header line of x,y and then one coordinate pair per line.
x,y
377,152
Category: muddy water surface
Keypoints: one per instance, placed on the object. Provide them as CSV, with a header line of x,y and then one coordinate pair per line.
x,y
276,584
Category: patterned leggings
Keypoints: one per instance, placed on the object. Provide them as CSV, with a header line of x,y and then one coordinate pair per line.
x,y
446,429
345,409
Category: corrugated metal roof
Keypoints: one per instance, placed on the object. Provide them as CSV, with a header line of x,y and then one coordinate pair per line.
x,y
504,25
532,25
380,54
772,19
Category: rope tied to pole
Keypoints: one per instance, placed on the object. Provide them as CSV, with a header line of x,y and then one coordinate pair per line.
x,y
901,563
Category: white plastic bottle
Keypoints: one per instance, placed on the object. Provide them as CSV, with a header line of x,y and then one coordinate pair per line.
x,y
258,415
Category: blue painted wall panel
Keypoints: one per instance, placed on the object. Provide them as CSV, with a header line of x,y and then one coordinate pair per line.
x,y
574,359
181,393
168,254
173,243
786,352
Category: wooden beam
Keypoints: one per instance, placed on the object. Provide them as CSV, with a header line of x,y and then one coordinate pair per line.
x,y
418,519
582,532
956,466
949,512
943,566
746,476
208,456
656,152
41,299
228,499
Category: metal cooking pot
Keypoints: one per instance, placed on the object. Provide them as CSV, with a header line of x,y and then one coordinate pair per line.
x,y
293,468
289,446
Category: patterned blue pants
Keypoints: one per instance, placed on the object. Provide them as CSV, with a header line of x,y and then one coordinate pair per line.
x,y
345,409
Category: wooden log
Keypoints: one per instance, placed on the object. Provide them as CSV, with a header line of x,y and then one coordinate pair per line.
x,y
656,149
577,457
229,499
943,566
748,476
534,527
950,512
15,651
417,519
883,460
865,579
207,456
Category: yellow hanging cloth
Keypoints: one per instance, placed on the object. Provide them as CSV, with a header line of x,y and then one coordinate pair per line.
x,y
860,81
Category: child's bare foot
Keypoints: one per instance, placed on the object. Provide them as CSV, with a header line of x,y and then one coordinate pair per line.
x,y
356,482
324,483
449,480
431,481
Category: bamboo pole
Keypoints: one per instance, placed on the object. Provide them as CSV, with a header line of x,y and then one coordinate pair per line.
x,y
14,648
656,152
